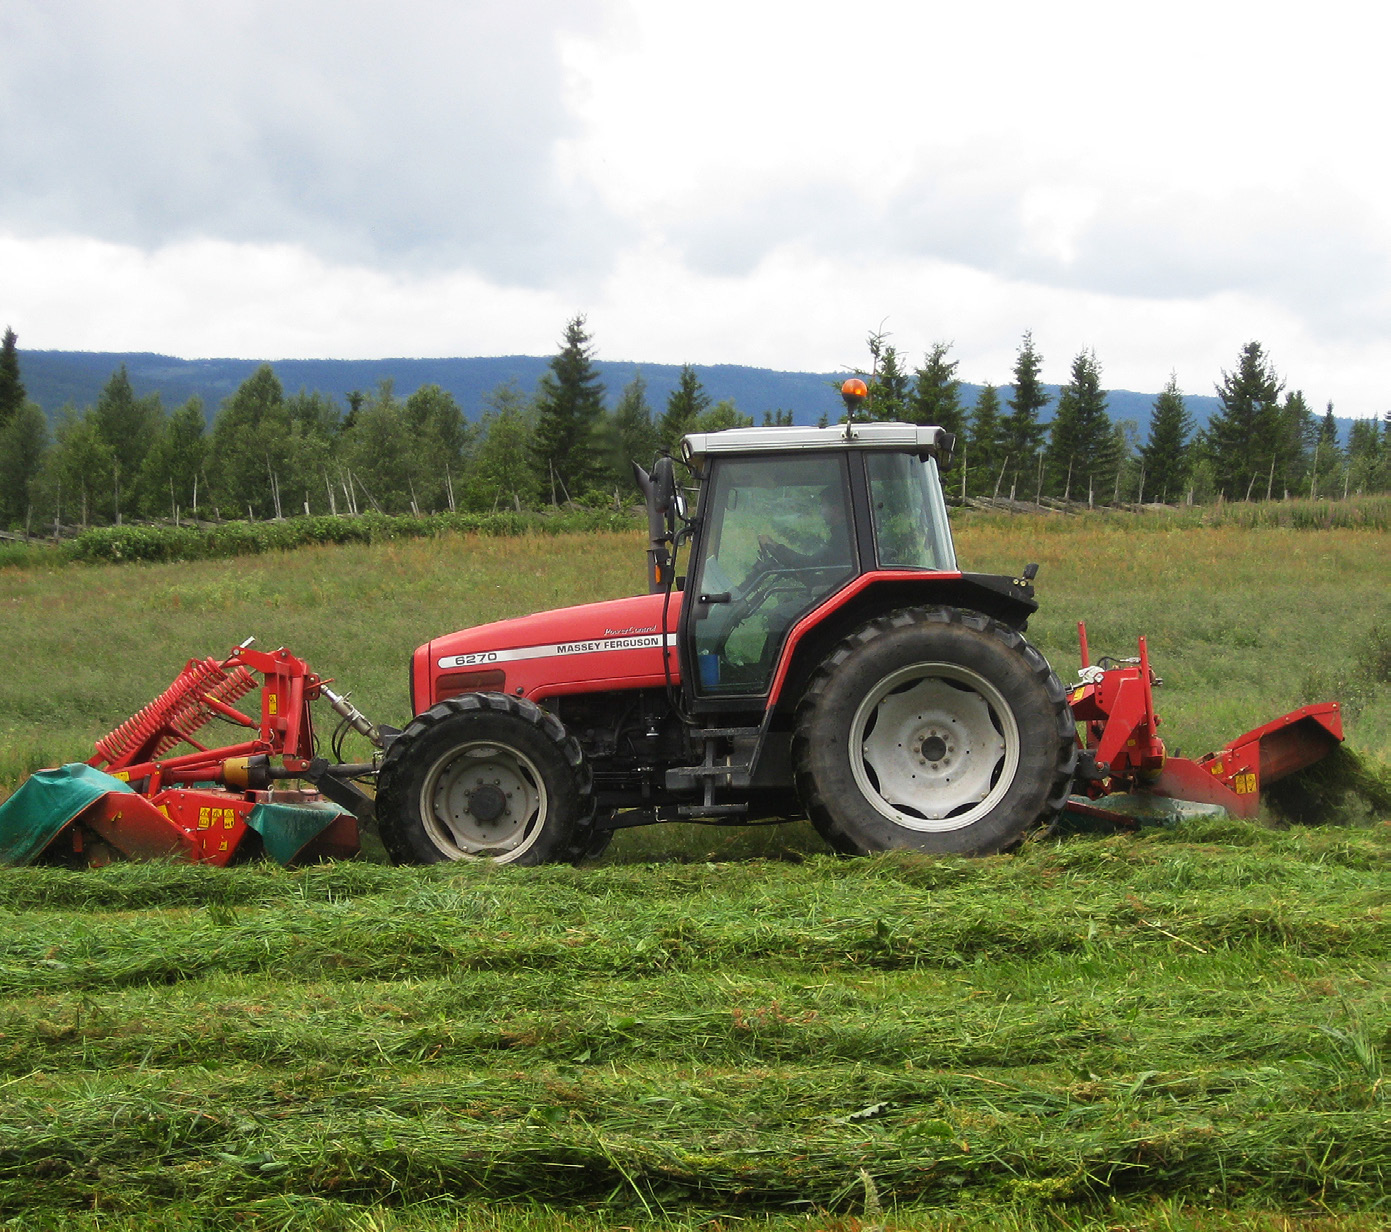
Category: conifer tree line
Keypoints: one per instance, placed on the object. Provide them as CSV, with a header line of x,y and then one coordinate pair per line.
x,y
1263,443
268,453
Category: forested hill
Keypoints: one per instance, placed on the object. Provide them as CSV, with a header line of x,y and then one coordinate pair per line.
x,y
56,378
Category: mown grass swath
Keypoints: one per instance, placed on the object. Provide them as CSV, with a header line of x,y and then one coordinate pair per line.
x,y
1195,1016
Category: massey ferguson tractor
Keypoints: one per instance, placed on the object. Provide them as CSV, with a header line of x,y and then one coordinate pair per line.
x,y
822,656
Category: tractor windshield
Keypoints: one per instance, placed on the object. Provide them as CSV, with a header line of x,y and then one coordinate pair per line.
x,y
910,513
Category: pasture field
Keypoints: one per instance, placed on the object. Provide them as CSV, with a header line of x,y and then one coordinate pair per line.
x,y
1185,1030
1242,623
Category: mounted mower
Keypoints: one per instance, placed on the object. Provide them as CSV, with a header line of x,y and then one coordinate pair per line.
x,y
824,657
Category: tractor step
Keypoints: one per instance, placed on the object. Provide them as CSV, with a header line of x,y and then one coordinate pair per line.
x,y
735,773
688,775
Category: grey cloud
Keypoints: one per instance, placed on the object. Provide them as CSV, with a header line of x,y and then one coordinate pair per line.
x,y
1304,247
969,224
408,135
1317,255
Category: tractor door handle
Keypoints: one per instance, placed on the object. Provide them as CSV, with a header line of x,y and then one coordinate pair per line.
x,y
723,597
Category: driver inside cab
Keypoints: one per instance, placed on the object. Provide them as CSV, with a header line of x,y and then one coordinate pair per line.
x,y
829,532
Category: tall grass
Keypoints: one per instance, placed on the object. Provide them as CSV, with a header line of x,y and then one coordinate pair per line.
x,y
1238,620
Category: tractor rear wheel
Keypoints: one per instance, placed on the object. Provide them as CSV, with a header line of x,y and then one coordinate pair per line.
x,y
934,729
484,777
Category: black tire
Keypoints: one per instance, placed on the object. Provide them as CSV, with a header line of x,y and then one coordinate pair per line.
x,y
484,777
933,729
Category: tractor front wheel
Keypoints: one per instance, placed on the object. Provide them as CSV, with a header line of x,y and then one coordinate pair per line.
x,y
935,729
484,777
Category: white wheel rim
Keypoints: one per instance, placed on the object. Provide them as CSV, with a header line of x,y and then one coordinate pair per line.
x,y
934,747
483,801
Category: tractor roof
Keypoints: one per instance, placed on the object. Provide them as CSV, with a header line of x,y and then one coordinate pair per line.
x,y
895,437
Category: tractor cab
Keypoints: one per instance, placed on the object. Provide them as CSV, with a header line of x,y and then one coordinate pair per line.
x,y
787,519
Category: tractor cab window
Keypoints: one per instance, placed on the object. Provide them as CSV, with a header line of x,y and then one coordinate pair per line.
x,y
777,541
910,513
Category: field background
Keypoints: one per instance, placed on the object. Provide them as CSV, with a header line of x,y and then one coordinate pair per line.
x,y
1242,623
1184,1030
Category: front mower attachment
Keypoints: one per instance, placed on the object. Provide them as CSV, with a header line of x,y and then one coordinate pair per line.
x,y
141,798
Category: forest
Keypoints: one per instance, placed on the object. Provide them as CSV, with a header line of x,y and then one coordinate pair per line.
x,y
266,453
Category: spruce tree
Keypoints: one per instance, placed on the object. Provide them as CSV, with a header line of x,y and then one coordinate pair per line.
x,y
1081,450
982,454
569,410
23,443
1294,441
685,404
1165,454
1326,465
1020,431
1367,462
888,386
936,396
12,393
635,436
1243,434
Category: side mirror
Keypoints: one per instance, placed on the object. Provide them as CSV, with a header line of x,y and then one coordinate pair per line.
x,y
666,495
666,504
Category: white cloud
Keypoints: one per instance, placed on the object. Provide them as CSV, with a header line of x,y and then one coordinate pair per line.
x,y
427,134
738,182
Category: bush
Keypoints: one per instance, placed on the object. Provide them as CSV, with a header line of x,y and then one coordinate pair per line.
x,y
116,544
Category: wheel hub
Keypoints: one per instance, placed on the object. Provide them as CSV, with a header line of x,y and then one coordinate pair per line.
x,y
934,750
929,745
485,800
487,803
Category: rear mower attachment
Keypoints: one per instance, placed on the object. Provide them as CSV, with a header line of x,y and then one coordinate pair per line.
x,y
1123,756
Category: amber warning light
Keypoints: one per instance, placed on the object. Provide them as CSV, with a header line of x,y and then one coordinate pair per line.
x,y
854,392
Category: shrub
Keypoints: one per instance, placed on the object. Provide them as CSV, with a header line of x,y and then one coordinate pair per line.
x,y
116,544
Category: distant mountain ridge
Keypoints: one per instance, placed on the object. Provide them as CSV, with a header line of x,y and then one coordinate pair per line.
x,y
58,378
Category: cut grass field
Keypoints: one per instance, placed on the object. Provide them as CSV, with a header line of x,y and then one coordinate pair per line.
x,y
1185,1030
1127,1031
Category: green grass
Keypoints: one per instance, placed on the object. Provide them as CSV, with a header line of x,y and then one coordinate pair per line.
x,y
1186,1021
709,1029
1242,623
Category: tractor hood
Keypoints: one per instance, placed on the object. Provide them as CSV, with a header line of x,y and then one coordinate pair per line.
x,y
615,645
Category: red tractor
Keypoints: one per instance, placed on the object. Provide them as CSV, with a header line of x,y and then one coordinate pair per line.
x,y
822,656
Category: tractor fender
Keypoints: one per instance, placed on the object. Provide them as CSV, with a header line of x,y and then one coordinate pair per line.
x,y
1007,600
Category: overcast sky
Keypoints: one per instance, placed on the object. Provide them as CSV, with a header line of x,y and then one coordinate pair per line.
x,y
737,181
